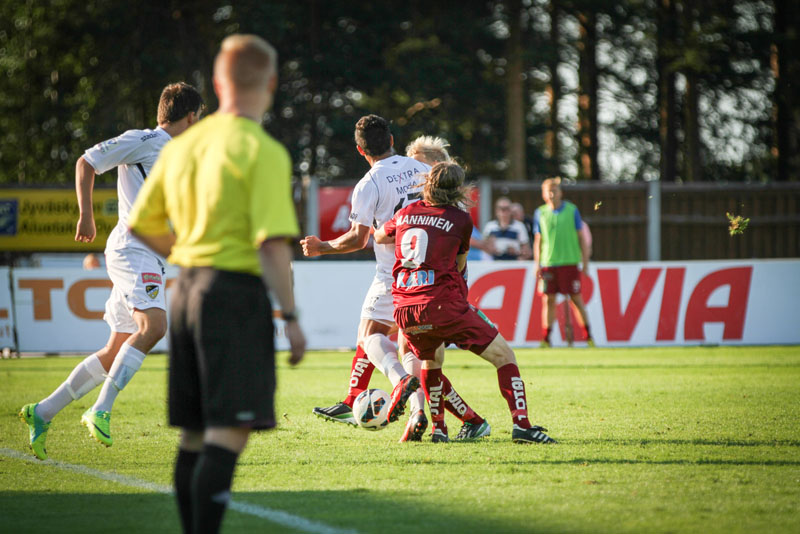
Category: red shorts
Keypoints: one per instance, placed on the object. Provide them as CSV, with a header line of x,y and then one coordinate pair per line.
x,y
564,279
426,326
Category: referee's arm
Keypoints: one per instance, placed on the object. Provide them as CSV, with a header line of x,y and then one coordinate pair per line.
x,y
275,256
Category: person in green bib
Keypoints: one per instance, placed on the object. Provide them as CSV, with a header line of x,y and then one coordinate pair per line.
x,y
558,247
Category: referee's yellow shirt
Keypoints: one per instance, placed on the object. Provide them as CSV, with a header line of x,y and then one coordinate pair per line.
x,y
225,186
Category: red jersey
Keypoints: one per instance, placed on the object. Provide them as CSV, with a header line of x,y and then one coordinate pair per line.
x,y
427,241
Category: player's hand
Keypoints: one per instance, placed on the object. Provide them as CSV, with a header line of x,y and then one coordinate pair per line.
x,y
297,342
86,231
311,246
585,268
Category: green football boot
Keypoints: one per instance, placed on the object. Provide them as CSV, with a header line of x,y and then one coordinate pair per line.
x,y
98,424
469,431
338,413
38,429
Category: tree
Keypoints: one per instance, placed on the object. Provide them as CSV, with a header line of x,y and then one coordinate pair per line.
x,y
554,92
786,70
515,99
667,105
588,166
694,61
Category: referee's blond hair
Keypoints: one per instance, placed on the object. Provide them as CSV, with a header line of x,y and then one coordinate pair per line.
x,y
247,61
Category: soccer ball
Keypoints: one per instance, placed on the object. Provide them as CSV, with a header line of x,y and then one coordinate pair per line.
x,y
371,409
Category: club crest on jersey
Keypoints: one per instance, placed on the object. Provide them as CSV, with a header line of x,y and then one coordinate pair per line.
x,y
151,278
105,146
152,290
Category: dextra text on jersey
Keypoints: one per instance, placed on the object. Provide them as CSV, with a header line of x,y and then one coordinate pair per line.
x,y
390,184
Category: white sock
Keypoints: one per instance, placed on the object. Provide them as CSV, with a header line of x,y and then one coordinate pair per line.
x,y
413,366
86,376
381,352
125,365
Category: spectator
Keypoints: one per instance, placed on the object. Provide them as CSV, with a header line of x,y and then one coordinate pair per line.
x,y
518,214
479,248
91,262
507,237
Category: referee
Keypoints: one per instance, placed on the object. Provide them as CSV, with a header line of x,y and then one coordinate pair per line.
x,y
225,188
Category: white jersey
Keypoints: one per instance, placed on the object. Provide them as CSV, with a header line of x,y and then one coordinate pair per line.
x,y
390,184
134,153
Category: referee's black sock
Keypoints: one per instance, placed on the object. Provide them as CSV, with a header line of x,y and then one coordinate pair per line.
x,y
211,487
184,471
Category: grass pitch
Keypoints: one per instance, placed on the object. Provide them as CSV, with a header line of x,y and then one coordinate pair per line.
x,y
651,440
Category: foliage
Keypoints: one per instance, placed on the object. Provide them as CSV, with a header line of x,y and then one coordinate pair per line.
x,y
74,73
736,224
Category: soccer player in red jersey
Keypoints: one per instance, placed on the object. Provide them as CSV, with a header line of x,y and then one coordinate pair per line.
x,y
430,295
379,307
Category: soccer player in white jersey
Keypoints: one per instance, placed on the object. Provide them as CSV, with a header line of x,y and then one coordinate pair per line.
x,y
136,310
392,182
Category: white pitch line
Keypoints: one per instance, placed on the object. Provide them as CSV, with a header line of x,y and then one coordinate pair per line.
x,y
276,516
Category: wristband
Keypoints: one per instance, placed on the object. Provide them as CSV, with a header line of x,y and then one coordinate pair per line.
x,y
289,316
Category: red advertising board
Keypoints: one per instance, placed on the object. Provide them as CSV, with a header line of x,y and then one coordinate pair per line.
x,y
334,211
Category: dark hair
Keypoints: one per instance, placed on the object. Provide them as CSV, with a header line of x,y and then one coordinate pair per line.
x,y
445,186
373,135
177,101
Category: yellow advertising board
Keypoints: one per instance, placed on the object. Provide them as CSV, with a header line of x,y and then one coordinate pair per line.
x,y
44,220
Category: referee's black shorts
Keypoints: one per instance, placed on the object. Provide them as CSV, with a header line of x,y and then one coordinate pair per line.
x,y
222,351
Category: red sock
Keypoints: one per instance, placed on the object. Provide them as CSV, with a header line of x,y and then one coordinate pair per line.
x,y
513,390
458,406
433,384
588,331
360,373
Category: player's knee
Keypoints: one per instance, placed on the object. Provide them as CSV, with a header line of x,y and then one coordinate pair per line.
x,y
153,333
499,353
152,327
159,330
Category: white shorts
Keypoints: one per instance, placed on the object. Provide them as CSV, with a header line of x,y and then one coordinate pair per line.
x,y
138,283
378,305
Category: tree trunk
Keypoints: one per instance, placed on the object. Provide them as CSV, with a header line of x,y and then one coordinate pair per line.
x,y
786,69
693,169
552,145
515,97
692,145
588,168
667,113
315,30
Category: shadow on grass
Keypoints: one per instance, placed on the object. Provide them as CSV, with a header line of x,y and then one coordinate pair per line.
x,y
359,510
697,441
86,512
619,461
